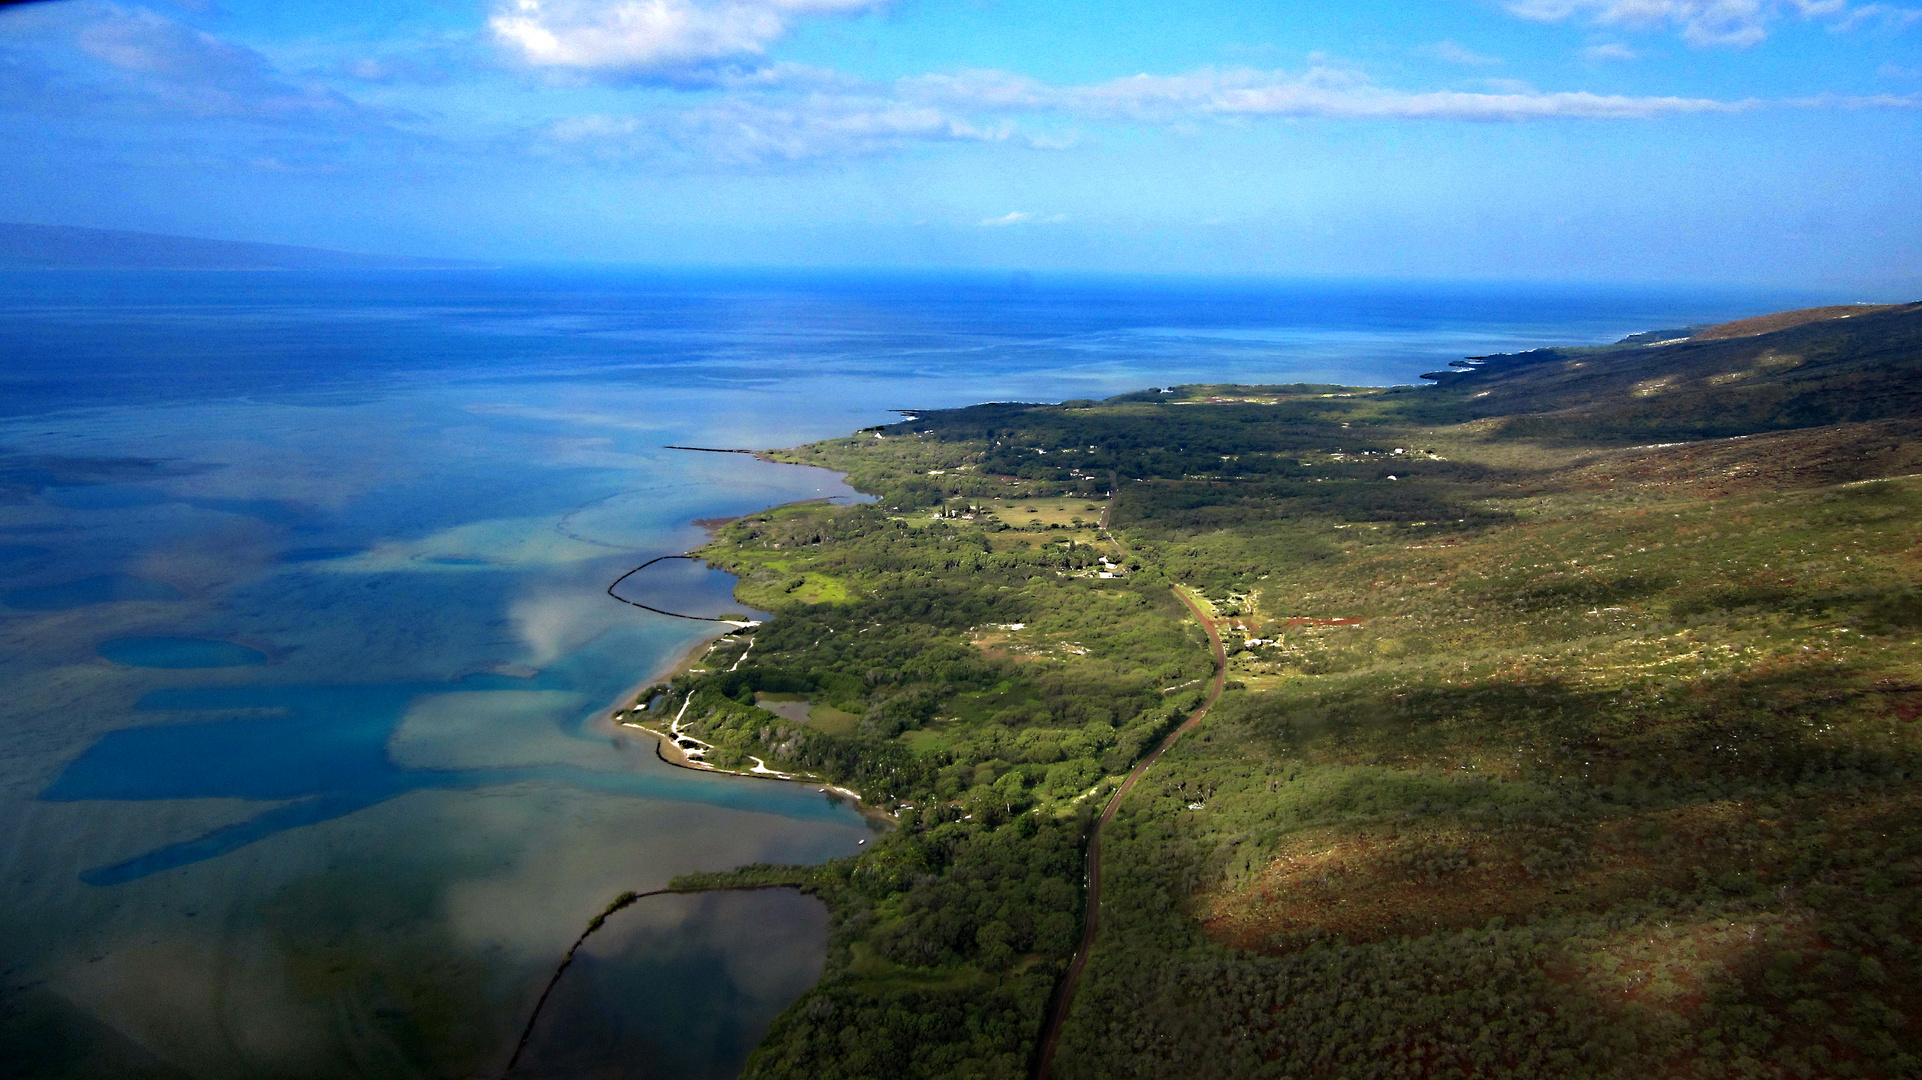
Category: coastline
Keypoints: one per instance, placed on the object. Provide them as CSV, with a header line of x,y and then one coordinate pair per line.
x,y
608,720
603,721
669,750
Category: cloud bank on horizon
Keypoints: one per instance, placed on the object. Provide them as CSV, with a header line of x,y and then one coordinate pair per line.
x,y
649,35
1735,23
1717,139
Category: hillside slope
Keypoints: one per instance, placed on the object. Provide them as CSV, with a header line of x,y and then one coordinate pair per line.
x,y
1782,320
1834,371
1548,748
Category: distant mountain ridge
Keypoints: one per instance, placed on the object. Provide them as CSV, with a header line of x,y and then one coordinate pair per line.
x,y
48,247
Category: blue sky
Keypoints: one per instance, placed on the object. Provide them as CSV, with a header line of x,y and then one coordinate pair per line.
x,y
1713,141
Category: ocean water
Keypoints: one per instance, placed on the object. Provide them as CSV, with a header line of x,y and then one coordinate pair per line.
x,y
307,648
178,652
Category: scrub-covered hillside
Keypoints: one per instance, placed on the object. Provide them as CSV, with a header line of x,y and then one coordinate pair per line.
x,y
1569,724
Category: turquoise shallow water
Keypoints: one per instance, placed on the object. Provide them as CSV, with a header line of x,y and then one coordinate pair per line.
x,y
306,640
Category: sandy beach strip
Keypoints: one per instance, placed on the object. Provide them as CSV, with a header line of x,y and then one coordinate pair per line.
x,y
604,722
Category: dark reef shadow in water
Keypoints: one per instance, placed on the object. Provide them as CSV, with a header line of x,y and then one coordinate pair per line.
x,y
99,589
683,989
17,557
168,652
322,753
318,554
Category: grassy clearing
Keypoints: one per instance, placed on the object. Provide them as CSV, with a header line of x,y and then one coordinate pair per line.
x,y
1025,514
832,721
873,972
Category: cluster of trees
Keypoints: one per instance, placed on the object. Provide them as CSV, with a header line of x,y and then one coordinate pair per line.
x,y
1539,769
946,942
950,933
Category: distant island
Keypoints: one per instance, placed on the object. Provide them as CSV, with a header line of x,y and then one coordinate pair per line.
x,y
56,247
1560,718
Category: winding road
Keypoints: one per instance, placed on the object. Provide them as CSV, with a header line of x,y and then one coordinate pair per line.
x,y
1064,993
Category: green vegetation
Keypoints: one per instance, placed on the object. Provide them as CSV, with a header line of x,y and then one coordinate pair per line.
x,y
1544,754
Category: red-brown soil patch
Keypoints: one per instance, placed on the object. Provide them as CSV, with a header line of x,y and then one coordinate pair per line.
x,y
1782,320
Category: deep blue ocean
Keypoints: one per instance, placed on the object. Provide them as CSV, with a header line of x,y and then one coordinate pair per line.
x,y
306,652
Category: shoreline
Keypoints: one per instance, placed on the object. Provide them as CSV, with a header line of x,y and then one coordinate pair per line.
x,y
607,720
668,750
602,720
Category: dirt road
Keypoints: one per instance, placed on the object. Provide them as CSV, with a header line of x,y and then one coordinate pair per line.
x,y
1064,994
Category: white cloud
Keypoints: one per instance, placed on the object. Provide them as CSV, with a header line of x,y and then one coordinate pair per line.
x,y
114,60
1319,92
1732,23
785,76
650,36
420,62
1021,217
1457,105
1893,18
745,129
1449,52
778,116
1867,101
1610,50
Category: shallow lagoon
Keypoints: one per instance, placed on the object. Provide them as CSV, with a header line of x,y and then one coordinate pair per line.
x,y
407,494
